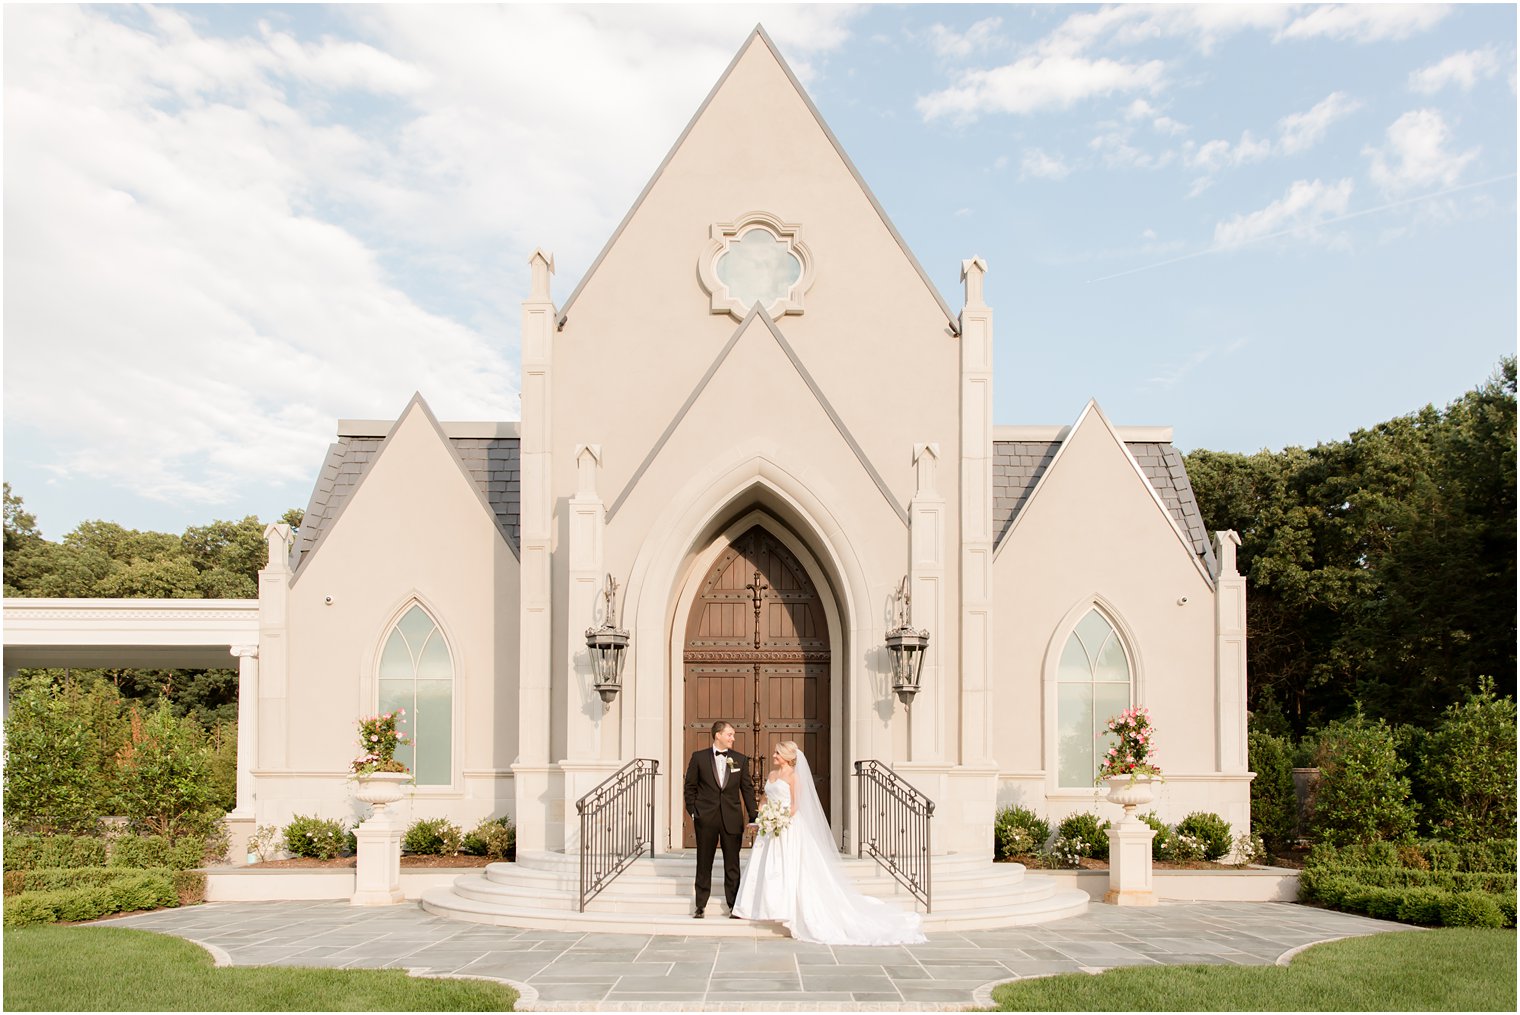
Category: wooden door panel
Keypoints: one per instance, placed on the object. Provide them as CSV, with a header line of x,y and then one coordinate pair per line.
x,y
770,682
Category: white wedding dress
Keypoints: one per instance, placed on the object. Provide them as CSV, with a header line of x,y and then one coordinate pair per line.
x,y
797,878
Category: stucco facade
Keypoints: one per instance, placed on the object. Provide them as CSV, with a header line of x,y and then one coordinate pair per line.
x,y
844,418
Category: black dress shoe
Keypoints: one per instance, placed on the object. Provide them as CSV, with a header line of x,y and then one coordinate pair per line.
x,y
733,916
697,915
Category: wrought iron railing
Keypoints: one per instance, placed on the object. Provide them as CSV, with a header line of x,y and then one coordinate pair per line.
x,y
617,825
894,827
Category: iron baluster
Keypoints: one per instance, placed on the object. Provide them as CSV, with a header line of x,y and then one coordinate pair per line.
x,y
617,824
893,828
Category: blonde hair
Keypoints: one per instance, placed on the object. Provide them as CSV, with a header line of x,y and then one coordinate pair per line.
x,y
788,750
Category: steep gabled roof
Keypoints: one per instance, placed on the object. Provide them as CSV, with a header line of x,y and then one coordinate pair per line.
x,y
1018,466
759,36
493,464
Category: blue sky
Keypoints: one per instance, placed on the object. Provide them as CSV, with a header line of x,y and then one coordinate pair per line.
x,y
228,227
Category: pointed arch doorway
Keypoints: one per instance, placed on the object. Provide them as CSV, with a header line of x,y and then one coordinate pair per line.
x,y
757,654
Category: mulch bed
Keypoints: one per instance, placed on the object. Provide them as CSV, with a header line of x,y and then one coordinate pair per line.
x,y
408,862
1088,864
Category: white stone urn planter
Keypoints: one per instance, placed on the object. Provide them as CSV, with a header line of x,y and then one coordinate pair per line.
x,y
1131,791
379,789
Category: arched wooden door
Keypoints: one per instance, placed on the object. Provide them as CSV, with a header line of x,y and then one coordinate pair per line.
x,y
757,655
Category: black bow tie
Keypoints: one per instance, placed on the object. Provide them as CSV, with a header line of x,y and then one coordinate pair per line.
x,y
723,754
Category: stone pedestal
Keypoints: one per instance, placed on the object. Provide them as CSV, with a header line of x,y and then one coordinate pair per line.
x,y
1129,863
378,878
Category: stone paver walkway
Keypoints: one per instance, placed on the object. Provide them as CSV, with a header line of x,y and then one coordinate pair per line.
x,y
570,971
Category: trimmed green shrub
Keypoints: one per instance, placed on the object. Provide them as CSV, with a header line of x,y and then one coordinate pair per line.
x,y
432,837
1090,830
494,838
27,852
319,838
1469,769
127,892
1019,831
1274,804
157,851
188,886
30,910
1209,829
1471,909
1361,795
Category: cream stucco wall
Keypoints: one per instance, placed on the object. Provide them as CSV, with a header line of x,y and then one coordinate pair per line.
x,y
415,530
1092,533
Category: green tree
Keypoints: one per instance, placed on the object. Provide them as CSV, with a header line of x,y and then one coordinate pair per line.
x,y
60,744
1362,794
1469,768
1274,802
166,786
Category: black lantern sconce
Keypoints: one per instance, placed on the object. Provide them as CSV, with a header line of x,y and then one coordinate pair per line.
x,y
908,647
608,646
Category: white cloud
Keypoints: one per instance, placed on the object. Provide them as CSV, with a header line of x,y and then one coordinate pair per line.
x,y
949,43
207,267
1464,70
1306,205
1139,109
1301,131
1203,25
1113,146
1416,154
1365,22
1040,166
1221,154
1035,83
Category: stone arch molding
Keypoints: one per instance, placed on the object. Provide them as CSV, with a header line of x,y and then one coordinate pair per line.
x,y
722,238
1050,667
699,514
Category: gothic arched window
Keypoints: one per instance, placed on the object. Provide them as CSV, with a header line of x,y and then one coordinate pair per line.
x,y
417,674
1092,683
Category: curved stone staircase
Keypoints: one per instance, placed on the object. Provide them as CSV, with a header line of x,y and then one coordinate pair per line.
x,y
654,896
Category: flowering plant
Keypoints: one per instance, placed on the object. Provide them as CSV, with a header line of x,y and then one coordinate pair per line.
x,y
1134,749
733,766
378,739
773,817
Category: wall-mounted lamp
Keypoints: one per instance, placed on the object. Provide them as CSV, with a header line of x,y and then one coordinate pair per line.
x,y
908,647
608,646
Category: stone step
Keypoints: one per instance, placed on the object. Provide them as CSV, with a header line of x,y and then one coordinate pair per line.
x,y
653,895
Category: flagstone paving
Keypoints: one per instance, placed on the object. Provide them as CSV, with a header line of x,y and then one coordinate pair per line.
x,y
568,971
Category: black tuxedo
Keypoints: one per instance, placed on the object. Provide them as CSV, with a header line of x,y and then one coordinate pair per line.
x,y
717,818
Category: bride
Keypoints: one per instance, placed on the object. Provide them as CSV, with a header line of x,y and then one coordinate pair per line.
x,y
797,878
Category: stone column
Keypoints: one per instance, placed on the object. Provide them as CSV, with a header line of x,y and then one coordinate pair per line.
x,y
534,808
377,874
976,520
1229,656
927,526
247,729
274,652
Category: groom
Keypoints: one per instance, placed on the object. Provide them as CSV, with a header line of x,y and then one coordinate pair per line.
x,y
717,781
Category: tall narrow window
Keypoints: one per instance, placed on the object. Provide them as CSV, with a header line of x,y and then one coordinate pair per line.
x,y
417,674
1093,683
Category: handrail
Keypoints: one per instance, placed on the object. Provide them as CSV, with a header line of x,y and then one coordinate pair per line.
x,y
894,827
617,824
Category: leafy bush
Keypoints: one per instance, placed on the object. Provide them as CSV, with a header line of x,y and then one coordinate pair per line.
x,y
1493,855
1469,768
1090,830
319,838
166,779
126,892
188,886
1066,852
1183,847
432,837
1274,804
1471,909
1401,883
1361,795
494,838
1019,831
58,745
1209,829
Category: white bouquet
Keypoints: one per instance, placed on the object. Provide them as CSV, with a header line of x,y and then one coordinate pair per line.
x,y
773,818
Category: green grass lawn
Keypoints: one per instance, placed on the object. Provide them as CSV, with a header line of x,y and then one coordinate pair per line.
x,y
1453,969
108,969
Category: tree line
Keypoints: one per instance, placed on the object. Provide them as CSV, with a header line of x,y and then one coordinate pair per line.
x,y
1380,568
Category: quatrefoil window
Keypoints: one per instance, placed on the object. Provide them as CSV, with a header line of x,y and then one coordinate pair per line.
x,y
756,260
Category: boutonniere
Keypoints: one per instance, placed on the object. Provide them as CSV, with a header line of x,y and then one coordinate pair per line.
x,y
733,766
